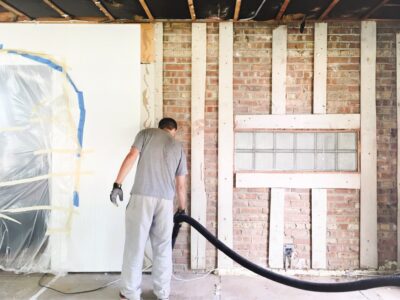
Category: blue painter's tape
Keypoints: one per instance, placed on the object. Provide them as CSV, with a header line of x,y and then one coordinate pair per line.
x,y
76,199
39,59
79,93
82,118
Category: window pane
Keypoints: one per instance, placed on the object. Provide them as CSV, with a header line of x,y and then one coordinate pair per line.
x,y
325,161
305,161
264,140
305,141
347,161
244,140
284,161
244,161
326,141
264,161
284,140
347,141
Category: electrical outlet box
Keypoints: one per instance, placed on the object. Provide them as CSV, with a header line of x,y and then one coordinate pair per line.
x,y
288,250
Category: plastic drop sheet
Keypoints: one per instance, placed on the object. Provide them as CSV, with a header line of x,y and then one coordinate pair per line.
x,y
41,127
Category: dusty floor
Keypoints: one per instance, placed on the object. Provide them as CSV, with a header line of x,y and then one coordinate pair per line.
x,y
13,286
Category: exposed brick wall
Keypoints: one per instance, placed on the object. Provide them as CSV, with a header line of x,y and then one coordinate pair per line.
x,y
343,83
177,97
387,140
300,64
298,226
343,229
250,224
252,64
252,95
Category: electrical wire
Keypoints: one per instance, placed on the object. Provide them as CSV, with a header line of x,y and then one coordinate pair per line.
x,y
75,292
194,279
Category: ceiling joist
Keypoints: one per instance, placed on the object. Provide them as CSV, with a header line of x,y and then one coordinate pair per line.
x,y
371,12
329,9
282,9
104,10
56,8
14,10
191,9
146,10
237,10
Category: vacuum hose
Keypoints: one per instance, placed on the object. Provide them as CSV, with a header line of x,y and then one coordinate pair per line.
x,y
363,284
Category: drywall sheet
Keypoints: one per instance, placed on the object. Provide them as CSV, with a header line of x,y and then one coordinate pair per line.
x,y
104,62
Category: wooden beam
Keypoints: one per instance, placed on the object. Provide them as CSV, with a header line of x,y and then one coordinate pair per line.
x,y
276,228
295,122
277,211
319,197
295,180
8,17
368,193
279,59
147,96
329,9
56,8
147,43
237,10
198,190
225,141
146,10
282,10
104,10
320,68
398,148
191,9
318,231
378,6
158,66
14,10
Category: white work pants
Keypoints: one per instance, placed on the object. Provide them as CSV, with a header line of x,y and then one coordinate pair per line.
x,y
147,216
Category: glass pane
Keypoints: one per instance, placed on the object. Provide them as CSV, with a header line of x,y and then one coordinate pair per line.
x,y
305,141
326,141
244,140
264,161
284,161
243,161
284,140
305,161
264,140
347,161
325,161
347,141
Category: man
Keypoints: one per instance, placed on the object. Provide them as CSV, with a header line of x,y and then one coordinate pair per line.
x,y
160,172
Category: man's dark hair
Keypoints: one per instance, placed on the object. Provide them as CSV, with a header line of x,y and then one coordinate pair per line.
x,y
168,123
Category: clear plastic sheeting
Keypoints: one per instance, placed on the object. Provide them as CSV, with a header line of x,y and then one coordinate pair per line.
x,y
41,125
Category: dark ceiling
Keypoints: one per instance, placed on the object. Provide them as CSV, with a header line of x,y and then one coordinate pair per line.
x,y
201,10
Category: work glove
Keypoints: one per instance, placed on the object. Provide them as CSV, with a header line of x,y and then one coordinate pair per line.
x,y
116,192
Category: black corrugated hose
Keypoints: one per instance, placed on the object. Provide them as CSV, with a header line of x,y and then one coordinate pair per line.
x,y
362,284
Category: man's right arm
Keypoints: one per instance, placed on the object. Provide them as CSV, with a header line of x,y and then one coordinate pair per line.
x,y
180,182
127,164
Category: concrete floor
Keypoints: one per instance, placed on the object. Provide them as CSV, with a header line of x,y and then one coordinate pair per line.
x,y
13,286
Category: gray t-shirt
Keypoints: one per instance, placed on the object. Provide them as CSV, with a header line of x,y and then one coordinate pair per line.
x,y
161,159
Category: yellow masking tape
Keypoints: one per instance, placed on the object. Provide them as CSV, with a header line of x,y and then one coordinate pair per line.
x,y
16,128
63,151
38,178
2,216
34,208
